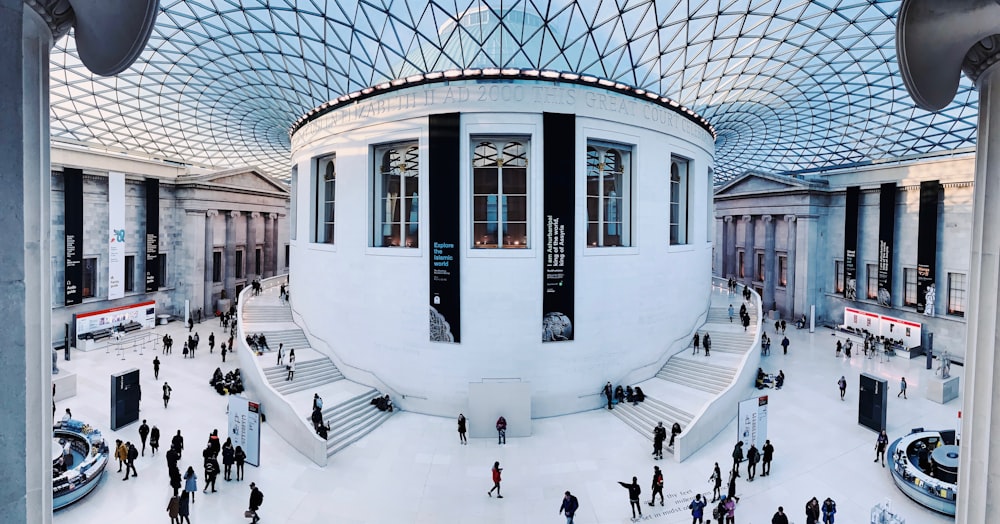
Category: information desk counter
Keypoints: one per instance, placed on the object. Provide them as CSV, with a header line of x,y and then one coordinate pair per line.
x,y
79,457
925,468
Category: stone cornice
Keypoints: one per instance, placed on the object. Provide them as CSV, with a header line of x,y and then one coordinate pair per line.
x,y
983,55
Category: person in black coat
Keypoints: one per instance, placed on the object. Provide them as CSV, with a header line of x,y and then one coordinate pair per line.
x,y
143,435
768,455
608,393
780,517
240,457
256,499
154,439
633,495
737,457
228,458
753,457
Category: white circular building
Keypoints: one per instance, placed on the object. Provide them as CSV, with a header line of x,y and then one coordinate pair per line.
x,y
501,226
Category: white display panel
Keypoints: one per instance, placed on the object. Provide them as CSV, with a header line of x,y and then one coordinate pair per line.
x,y
116,235
883,326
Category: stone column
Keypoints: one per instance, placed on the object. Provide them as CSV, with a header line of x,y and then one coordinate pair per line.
x,y
274,242
209,302
749,250
229,254
790,268
729,247
25,264
979,466
769,262
250,258
269,245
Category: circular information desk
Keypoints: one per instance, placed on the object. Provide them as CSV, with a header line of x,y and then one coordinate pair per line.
x,y
925,468
79,457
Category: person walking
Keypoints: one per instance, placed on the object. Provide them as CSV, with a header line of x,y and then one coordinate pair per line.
x,y
902,388
697,507
156,367
780,517
173,509
842,384
753,457
496,480
291,370
768,455
154,439
880,445
707,342
184,509
737,457
633,496
783,325
659,435
716,479
784,345
256,500
657,486
281,352
211,473
731,489
731,313
223,349
190,482
730,506
812,511
696,341
608,393
166,394
121,453
143,435
568,507
461,430
501,431
211,342
240,457
829,509
130,455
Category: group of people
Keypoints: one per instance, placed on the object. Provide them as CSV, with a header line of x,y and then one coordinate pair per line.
x,y
660,435
845,347
744,315
230,383
322,428
383,403
733,285
765,380
698,341
779,326
257,342
620,395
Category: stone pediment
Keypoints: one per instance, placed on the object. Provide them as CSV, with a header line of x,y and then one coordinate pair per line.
x,y
762,183
245,178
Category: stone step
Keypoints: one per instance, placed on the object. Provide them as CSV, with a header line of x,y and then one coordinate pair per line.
x,y
686,380
357,430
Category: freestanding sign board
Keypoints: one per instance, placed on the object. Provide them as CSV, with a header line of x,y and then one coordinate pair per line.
x,y
244,426
124,398
751,422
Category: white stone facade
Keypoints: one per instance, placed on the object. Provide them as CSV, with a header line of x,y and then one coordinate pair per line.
x,y
187,202
368,305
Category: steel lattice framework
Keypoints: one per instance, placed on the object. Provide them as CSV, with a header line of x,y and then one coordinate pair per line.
x,y
789,85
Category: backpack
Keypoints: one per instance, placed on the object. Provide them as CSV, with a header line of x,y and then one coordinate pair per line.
x,y
716,514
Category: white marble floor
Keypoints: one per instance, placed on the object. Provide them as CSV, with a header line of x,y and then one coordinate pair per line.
x,y
412,469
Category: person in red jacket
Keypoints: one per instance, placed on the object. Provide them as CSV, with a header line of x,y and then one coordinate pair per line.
x,y
496,479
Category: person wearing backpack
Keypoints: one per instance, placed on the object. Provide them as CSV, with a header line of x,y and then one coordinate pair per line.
x,y
569,506
753,457
697,507
256,499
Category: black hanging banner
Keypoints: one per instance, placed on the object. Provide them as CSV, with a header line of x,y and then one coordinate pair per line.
x,y
927,246
559,205
73,211
851,243
152,235
886,237
443,166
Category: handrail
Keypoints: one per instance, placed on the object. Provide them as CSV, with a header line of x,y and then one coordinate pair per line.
x,y
717,413
283,417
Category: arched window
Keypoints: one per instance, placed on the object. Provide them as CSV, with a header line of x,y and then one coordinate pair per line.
x,y
679,168
326,190
397,187
500,193
608,192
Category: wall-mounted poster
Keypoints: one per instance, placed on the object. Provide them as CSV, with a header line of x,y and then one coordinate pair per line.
x,y
152,235
443,163
559,208
927,246
73,192
851,243
116,235
886,237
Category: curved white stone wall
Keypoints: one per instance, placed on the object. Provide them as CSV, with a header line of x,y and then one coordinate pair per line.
x,y
632,304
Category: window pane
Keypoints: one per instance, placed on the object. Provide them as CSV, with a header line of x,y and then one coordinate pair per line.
x,y
484,181
484,208
516,235
612,234
327,235
593,184
593,233
593,206
390,235
515,181
517,208
485,234
515,155
484,155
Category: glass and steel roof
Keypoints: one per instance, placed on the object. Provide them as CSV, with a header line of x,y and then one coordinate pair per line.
x,y
789,85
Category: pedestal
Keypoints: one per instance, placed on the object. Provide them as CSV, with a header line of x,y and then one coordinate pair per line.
x,y
942,390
